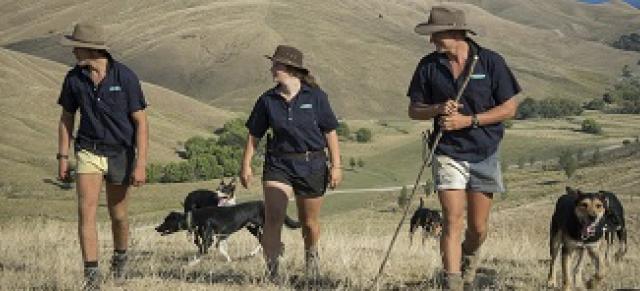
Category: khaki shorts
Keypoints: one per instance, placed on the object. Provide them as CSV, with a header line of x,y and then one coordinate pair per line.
x,y
116,169
484,176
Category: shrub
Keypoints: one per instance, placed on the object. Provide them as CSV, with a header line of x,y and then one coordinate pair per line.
x,y
343,130
591,126
403,198
352,162
568,163
363,135
595,104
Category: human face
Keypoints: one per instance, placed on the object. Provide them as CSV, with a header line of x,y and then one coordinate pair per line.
x,y
279,72
83,56
445,41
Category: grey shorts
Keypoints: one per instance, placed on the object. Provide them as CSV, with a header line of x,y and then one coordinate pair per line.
x,y
115,168
484,176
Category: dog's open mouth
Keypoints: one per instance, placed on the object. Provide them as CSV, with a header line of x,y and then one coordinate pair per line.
x,y
589,230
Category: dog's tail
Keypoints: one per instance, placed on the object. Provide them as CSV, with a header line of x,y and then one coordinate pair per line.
x,y
421,203
290,223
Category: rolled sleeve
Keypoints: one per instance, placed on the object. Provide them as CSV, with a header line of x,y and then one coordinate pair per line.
x,y
419,88
327,120
258,121
136,100
504,84
67,99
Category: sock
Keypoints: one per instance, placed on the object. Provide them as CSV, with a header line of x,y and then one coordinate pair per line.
x,y
91,264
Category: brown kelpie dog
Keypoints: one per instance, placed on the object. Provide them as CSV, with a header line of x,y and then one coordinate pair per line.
x,y
577,227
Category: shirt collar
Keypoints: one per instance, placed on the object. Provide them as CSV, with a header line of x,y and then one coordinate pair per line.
x,y
110,66
474,49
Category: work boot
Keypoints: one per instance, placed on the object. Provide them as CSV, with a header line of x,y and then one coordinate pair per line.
x,y
453,282
311,266
470,261
118,267
92,279
272,273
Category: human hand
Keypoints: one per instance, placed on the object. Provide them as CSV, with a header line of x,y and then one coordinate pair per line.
x,y
63,169
246,174
139,176
335,177
449,107
455,121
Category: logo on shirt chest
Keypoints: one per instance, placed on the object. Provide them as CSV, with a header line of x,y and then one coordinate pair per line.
x,y
115,88
478,76
306,106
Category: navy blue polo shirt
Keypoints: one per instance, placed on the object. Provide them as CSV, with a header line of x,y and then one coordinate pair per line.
x,y
105,110
298,125
491,84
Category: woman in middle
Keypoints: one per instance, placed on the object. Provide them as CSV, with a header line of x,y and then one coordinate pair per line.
x,y
303,125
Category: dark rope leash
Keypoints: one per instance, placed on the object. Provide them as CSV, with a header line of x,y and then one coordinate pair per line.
x,y
426,161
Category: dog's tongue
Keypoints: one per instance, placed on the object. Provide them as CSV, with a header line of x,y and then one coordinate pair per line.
x,y
588,230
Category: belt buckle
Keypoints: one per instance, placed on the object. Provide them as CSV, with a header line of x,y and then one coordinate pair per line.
x,y
306,156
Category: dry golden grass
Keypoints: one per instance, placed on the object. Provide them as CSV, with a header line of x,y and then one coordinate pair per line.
x,y
42,253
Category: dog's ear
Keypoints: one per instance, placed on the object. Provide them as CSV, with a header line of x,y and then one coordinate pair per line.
x,y
573,192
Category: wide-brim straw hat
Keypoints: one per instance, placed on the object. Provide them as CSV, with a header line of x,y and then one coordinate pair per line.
x,y
289,56
443,18
86,35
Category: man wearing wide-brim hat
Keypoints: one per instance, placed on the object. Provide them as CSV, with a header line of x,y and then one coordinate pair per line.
x,y
466,169
110,144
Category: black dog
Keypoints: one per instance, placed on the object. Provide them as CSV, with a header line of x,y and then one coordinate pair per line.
x,y
220,222
614,224
577,226
224,195
429,220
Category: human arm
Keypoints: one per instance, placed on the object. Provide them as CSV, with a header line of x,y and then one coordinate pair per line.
x,y
139,175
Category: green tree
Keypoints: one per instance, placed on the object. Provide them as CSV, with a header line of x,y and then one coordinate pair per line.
x,y
233,134
195,146
363,135
343,130
528,108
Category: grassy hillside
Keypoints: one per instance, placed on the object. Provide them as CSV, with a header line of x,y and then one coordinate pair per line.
x,y
213,51
603,22
357,228
30,114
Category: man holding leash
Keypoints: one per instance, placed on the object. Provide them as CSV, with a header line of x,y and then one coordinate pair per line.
x,y
466,168
113,129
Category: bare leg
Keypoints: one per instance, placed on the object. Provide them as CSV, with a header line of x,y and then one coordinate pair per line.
x,y
479,207
275,199
88,190
452,202
117,203
309,216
